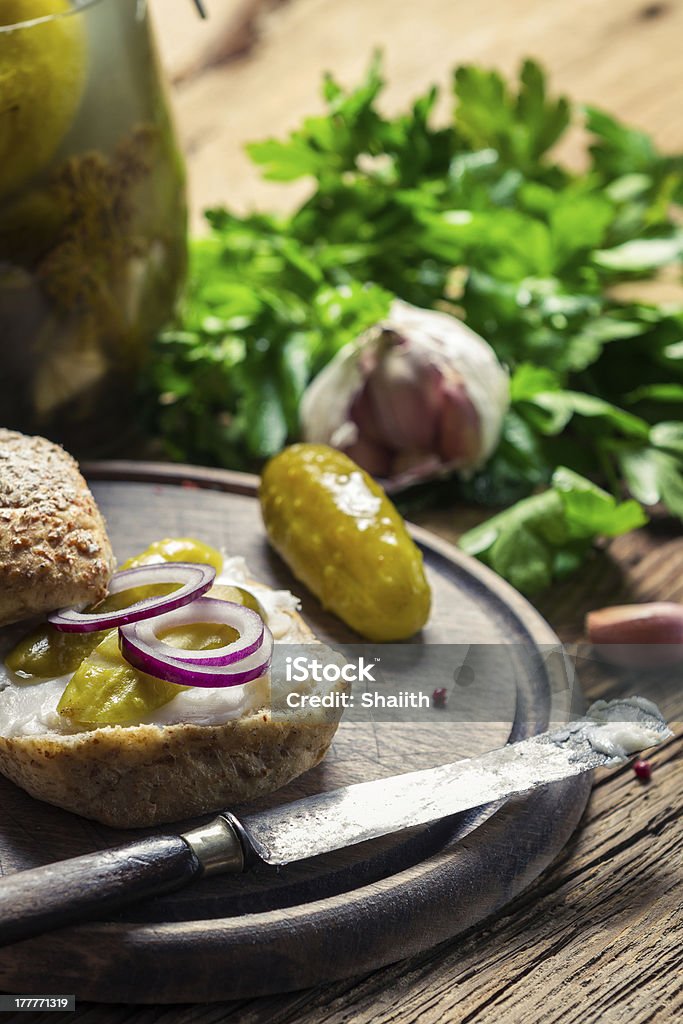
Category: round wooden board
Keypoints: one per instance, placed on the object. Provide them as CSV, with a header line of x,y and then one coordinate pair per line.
x,y
332,916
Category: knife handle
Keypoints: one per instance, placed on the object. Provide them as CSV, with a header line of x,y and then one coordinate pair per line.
x,y
55,895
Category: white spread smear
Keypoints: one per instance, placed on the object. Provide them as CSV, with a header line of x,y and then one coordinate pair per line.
x,y
621,739
30,709
618,728
616,733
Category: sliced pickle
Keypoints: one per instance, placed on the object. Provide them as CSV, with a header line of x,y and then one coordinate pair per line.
x,y
177,549
106,690
48,653
238,595
125,598
200,636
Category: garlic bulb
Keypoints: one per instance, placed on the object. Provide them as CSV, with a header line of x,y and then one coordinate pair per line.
x,y
417,394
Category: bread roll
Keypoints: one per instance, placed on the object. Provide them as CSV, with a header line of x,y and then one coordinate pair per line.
x,y
54,550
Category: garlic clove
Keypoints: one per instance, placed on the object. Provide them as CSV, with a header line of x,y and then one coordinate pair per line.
x,y
405,392
362,414
370,456
459,437
638,635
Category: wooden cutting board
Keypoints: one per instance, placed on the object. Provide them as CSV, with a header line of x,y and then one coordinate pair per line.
x,y
344,913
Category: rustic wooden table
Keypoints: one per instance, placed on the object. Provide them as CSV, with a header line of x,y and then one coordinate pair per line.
x,y
600,936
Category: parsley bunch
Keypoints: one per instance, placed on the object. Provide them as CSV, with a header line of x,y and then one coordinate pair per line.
x,y
476,217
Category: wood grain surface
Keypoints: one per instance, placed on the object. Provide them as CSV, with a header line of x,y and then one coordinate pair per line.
x,y
600,937
621,54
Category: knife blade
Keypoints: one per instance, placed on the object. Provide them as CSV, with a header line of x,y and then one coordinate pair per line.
x,y
367,810
55,895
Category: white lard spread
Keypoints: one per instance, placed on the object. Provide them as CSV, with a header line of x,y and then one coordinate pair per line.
x,y
621,739
30,708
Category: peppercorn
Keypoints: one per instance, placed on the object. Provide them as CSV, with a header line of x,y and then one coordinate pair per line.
x,y
643,770
440,697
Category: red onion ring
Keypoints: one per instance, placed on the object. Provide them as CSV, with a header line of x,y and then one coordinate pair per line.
x,y
196,578
246,621
150,657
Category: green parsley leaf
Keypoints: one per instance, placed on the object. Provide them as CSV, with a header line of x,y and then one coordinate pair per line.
x,y
641,254
528,544
520,127
477,216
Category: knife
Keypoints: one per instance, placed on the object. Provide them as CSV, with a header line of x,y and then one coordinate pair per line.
x,y
43,898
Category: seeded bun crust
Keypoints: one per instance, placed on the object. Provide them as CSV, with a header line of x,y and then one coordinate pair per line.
x,y
54,550
135,776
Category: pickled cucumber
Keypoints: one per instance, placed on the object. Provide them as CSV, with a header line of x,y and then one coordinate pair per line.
x,y
42,75
106,690
46,652
238,595
342,537
177,549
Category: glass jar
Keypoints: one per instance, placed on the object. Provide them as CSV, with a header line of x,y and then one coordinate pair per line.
x,y
92,217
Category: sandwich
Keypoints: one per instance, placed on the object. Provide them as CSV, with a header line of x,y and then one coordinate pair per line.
x,y
84,723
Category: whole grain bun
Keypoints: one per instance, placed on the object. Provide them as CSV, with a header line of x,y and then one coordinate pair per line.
x,y
54,550
134,776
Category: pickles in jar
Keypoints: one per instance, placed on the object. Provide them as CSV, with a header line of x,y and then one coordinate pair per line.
x,y
341,536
